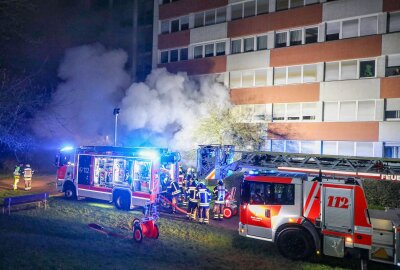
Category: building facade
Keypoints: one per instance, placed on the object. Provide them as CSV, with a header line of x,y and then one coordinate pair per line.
x,y
324,75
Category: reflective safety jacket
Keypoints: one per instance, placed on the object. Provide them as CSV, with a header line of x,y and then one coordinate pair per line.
x,y
204,197
174,188
192,193
219,193
16,171
27,173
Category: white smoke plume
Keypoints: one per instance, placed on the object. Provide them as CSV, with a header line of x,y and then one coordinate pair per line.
x,y
171,106
163,111
81,108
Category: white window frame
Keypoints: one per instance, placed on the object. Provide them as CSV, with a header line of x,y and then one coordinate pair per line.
x,y
357,70
302,74
303,34
214,43
169,54
301,114
356,116
254,78
358,18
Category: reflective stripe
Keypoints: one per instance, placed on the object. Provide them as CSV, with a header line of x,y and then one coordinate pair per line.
x,y
311,202
363,230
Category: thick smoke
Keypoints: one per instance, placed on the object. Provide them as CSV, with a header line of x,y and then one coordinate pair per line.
x,y
82,105
171,106
164,111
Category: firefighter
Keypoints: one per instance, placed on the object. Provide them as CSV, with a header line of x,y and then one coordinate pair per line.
x,y
219,203
193,201
184,185
17,173
174,191
28,177
204,197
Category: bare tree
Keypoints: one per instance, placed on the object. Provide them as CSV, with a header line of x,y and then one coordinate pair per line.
x,y
20,98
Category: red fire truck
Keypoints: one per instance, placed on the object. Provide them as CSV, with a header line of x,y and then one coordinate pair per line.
x,y
306,216
126,176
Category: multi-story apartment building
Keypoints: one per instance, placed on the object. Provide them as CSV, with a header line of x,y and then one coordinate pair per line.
x,y
325,75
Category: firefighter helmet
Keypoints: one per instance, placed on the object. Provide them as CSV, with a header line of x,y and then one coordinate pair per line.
x,y
220,182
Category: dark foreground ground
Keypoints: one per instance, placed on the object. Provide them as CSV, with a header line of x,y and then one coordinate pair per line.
x,y
59,238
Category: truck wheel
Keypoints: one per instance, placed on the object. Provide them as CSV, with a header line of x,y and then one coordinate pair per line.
x,y
70,192
295,244
137,234
122,201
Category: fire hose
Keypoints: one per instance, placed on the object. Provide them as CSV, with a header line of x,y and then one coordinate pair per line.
x,y
105,231
173,205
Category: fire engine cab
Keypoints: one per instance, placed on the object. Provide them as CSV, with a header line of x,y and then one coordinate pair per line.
x,y
306,216
128,177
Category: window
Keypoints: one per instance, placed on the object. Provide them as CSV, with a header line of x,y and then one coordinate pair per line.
x,y
236,46
392,111
368,26
295,37
262,6
309,111
296,3
391,151
209,50
367,69
294,74
350,28
332,71
394,22
174,56
347,111
185,23
331,110
249,44
393,65
220,48
198,19
262,42
210,17
311,35
364,149
346,148
235,79
257,193
332,31
260,77
293,111
366,110
236,11
279,75
349,69
282,4
249,8
164,57
259,112
329,148
164,27
280,40
221,15
279,111
183,54
174,26
310,73
309,2
247,78
198,52
292,146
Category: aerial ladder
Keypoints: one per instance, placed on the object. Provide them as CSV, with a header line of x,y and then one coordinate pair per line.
x,y
217,161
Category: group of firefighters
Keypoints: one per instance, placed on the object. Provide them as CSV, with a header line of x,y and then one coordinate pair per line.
x,y
26,172
195,195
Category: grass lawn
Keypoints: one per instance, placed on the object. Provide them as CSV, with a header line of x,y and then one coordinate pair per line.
x,y
59,238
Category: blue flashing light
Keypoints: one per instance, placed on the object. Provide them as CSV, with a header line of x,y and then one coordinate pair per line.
x,y
67,148
253,172
149,154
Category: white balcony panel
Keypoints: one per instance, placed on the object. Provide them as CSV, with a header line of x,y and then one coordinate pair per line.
x,y
350,90
250,60
344,9
389,131
208,33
